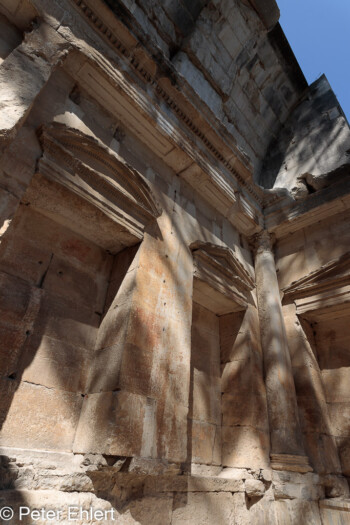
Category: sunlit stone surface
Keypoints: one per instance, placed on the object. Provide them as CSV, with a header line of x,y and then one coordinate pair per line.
x,y
174,268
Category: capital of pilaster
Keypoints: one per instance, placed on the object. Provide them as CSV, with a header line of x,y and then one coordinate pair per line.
x,y
262,242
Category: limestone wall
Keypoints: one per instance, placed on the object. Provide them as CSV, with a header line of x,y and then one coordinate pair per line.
x,y
233,65
131,363
312,150
317,324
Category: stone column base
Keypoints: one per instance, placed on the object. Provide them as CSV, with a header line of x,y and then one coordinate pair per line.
x,y
290,462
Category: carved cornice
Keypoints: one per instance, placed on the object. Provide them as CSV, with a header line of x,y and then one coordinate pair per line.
x,y
221,269
331,276
237,165
284,215
87,167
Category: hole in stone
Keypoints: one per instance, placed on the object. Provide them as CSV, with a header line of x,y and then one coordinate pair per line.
x,y
12,376
75,95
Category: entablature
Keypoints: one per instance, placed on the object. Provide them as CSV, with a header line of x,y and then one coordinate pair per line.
x,y
157,107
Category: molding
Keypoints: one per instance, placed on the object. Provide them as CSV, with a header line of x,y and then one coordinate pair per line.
x,y
335,274
100,25
326,305
139,113
290,463
335,504
223,275
87,167
284,215
244,208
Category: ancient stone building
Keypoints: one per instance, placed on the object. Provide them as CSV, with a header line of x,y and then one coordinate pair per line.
x,y
174,268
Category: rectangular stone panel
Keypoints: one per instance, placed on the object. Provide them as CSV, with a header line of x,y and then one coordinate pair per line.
x,y
55,364
67,281
339,416
38,417
245,409
243,377
313,415
245,447
62,319
230,325
15,297
206,443
203,508
336,384
343,444
171,430
111,423
323,453
206,397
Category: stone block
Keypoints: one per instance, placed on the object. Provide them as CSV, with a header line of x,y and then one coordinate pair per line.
x,y
171,432
344,454
334,512
62,319
69,282
205,509
243,377
245,409
230,325
339,415
205,355
104,369
254,488
156,510
296,512
206,398
111,423
336,384
322,452
204,321
313,415
15,298
308,382
245,447
206,443
11,343
24,258
198,82
39,417
191,484
55,364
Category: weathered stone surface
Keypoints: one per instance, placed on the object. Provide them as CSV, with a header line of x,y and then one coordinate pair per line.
x,y
203,508
48,422
244,447
133,378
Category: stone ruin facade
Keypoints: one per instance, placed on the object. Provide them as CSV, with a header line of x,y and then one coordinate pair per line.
x,y
174,267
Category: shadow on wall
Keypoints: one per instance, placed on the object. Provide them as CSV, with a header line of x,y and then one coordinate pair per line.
x,y
312,150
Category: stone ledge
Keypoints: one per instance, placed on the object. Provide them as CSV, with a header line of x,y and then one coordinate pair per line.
x,y
335,504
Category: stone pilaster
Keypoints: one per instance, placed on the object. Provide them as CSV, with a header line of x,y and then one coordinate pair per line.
x,y
286,441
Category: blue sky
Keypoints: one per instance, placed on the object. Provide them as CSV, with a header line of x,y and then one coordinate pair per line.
x,y
319,34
